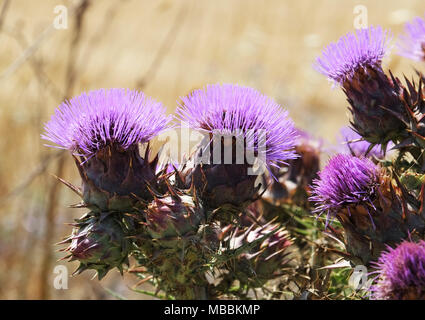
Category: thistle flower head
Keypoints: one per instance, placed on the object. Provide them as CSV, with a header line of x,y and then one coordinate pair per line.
x,y
360,50
98,244
412,43
241,111
401,273
354,144
345,181
91,121
173,215
272,246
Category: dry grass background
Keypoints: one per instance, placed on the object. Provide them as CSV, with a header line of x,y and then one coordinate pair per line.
x,y
165,48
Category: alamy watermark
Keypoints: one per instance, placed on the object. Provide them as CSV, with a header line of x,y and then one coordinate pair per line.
x,y
359,279
61,19
361,17
60,282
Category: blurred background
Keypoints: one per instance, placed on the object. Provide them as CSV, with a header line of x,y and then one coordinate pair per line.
x,y
165,48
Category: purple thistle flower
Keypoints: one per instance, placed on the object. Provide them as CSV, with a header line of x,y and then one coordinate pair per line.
x,y
345,181
354,62
412,43
232,110
354,144
102,129
365,48
91,121
401,273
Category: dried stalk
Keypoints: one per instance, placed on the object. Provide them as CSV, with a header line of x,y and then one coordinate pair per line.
x,y
53,193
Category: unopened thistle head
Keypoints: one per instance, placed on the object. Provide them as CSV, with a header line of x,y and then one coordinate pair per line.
x,y
345,181
92,121
100,244
173,215
412,43
241,111
401,273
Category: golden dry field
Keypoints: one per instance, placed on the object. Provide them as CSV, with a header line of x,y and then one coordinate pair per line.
x,y
165,48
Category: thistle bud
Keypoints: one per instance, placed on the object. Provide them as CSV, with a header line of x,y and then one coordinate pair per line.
x,y
98,243
243,123
354,62
401,273
173,215
178,245
103,129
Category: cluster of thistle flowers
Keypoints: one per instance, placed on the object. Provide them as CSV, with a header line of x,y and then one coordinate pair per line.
x,y
189,223
379,201
182,224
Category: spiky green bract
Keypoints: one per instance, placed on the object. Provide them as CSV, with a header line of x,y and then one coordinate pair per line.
x,y
184,252
119,182
413,140
224,189
99,243
264,254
